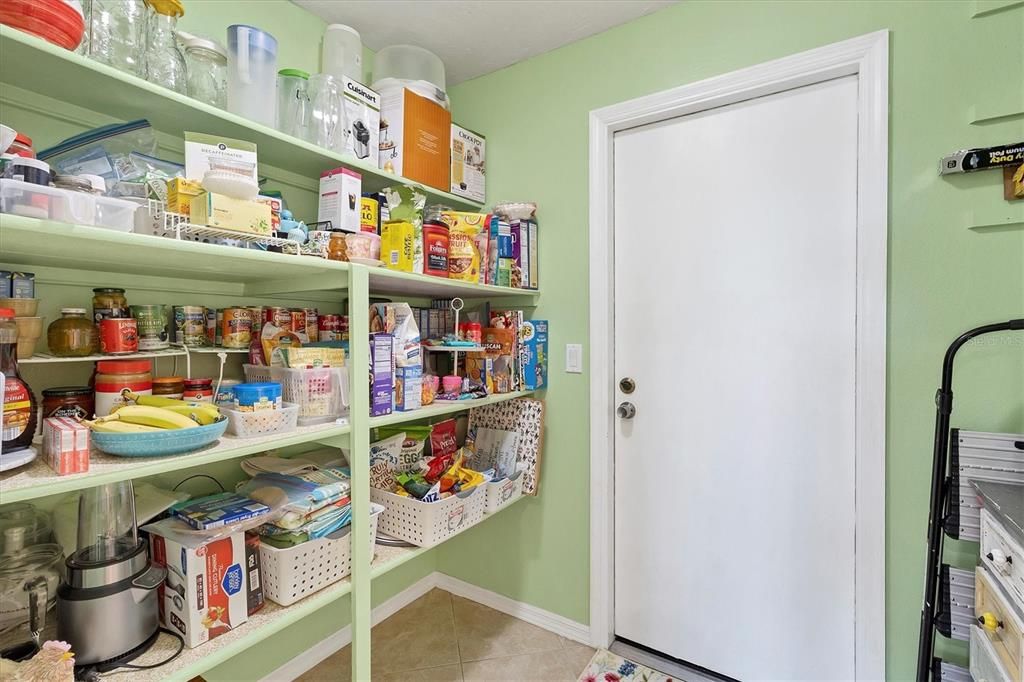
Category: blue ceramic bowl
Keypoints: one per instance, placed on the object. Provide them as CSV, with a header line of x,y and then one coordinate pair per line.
x,y
159,443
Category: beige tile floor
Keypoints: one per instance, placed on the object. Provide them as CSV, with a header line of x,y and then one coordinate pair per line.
x,y
444,638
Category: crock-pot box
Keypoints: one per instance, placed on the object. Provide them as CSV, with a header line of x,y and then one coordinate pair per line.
x,y
205,594
414,130
469,173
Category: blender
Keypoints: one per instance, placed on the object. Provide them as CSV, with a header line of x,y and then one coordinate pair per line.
x,y
107,608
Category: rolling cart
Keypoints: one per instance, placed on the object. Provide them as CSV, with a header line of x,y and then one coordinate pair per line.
x,y
944,515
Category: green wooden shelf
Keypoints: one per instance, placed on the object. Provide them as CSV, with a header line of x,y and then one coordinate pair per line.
x,y
37,479
38,66
28,242
443,407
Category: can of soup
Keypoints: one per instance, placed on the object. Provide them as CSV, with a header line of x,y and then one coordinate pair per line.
x,y
298,320
311,329
278,316
151,321
190,325
329,327
119,335
236,328
211,327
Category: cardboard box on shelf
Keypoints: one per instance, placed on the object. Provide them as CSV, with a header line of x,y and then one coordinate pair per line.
x,y
362,116
275,205
211,152
340,198
180,193
382,372
204,595
408,388
228,213
534,354
468,163
415,134
66,445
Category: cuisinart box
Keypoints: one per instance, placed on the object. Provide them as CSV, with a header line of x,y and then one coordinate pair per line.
x,y
468,166
362,118
204,595
414,135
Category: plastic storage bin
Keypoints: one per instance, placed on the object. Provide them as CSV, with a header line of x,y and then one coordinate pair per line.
x,y
425,524
261,422
37,201
408,63
297,572
321,392
504,492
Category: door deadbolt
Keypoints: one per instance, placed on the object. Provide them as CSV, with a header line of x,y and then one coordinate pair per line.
x,y
627,385
626,410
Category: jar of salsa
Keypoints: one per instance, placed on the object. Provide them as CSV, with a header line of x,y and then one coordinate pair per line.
x,y
109,302
68,401
114,376
199,390
73,335
169,387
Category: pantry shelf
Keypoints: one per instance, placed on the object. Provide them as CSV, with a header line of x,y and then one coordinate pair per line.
x,y
38,479
63,75
41,358
441,407
384,281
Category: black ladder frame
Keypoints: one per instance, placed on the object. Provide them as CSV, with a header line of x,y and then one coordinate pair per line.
x,y
939,492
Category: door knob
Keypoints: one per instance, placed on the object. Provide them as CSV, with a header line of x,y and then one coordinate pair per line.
x,y
626,410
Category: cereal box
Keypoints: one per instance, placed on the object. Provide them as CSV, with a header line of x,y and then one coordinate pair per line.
x,y
533,335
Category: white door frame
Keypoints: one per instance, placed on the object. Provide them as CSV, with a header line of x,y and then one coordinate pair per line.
x,y
868,57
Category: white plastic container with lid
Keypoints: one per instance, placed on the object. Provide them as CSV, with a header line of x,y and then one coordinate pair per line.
x,y
252,74
408,63
342,53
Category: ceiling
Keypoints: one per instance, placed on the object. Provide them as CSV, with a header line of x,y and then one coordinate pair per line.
x,y
474,37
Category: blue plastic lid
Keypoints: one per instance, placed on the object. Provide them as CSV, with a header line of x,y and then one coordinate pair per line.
x,y
268,389
258,38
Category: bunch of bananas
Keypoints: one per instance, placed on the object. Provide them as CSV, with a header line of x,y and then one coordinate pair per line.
x,y
155,413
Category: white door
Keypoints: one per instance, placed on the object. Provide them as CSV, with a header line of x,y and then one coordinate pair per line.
x,y
735,300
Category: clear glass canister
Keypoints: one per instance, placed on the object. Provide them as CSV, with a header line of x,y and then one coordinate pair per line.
x,y
207,71
116,34
73,335
165,64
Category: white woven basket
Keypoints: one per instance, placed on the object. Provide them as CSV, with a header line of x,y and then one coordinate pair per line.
x,y
427,523
503,492
320,392
299,571
261,422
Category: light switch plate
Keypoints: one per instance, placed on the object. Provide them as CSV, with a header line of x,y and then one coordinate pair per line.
x,y
574,358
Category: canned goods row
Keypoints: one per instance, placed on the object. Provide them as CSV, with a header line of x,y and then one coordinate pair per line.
x,y
234,327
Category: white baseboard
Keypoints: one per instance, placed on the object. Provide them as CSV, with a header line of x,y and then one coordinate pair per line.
x,y
552,622
570,629
343,637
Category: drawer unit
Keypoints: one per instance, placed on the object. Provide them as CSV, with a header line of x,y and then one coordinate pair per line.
x,y
1003,556
1000,622
985,664
978,456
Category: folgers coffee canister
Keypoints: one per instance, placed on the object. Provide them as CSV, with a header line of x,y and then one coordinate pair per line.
x,y
435,249
236,328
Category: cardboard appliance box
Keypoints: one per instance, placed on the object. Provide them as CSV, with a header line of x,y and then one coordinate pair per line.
x,y
340,199
415,137
362,115
468,164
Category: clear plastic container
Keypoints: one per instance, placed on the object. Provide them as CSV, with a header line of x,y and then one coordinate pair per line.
x,y
252,73
408,63
342,53
117,34
327,111
106,523
165,64
293,102
52,203
207,71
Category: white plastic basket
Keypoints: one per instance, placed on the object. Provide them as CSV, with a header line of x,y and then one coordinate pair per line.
x,y
427,523
320,392
299,571
261,422
503,492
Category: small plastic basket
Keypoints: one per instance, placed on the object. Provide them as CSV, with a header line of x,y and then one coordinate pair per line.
x,y
320,392
261,422
425,524
503,492
297,572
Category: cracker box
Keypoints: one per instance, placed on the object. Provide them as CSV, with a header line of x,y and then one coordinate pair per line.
x,y
534,354
204,595
382,373
408,388
66,445
362,117
468,163
340,199
229,213
414,136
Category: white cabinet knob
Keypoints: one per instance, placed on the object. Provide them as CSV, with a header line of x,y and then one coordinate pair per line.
x,y
999,560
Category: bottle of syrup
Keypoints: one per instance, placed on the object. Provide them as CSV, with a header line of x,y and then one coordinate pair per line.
x,y
18,424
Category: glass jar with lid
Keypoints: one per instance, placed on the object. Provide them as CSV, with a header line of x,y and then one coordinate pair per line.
x,y
109,302
207,62
115,32
169,387
165,64
73,335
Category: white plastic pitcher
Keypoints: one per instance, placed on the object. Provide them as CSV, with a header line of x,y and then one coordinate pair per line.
x,y
252,74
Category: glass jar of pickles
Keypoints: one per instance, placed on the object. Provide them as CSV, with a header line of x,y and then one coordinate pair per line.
x,y
73,335
109,302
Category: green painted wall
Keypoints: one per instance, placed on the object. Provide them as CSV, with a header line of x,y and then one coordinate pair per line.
x,y
943,277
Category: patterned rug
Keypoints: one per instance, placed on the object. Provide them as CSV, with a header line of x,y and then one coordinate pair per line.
x,y
607,667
